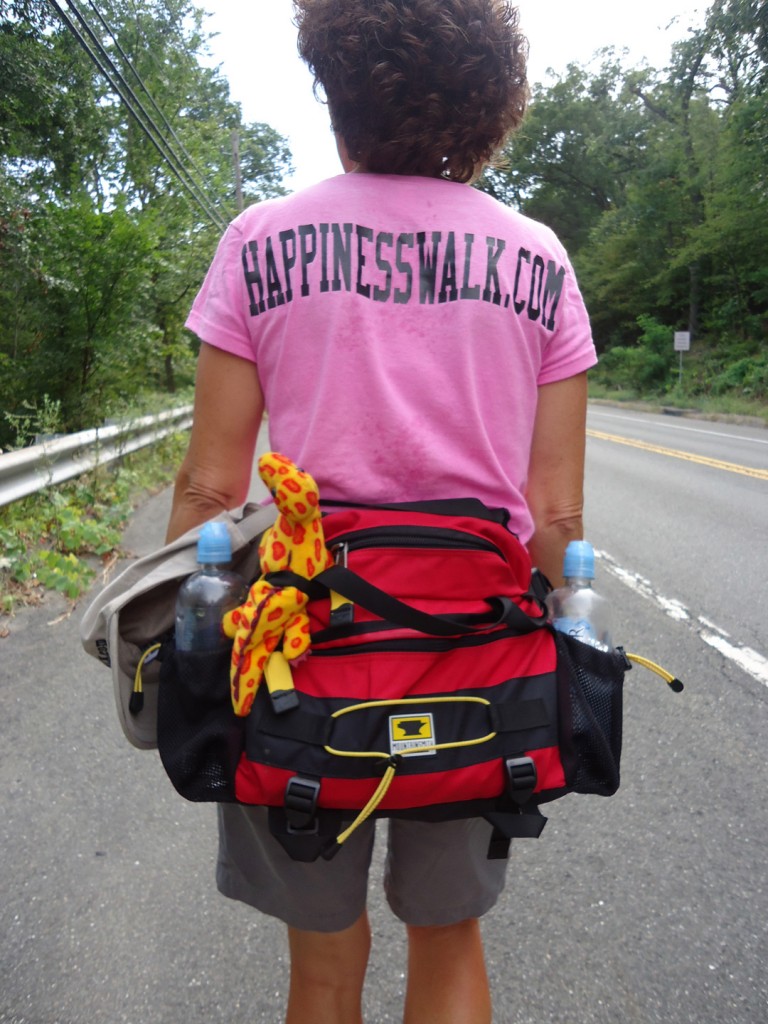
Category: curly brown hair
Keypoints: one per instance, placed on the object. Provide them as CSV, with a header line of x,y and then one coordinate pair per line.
x,y
424,87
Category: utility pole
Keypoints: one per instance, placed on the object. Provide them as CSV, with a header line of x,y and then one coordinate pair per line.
x,y
236,164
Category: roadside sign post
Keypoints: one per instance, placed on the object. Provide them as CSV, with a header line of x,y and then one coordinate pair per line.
x,y
682,344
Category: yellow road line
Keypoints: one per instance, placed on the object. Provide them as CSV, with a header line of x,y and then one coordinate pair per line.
x,y
730,467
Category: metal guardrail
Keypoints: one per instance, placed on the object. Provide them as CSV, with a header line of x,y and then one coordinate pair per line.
x,y
43,465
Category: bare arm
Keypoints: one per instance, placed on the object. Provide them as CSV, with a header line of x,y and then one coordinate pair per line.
x,y
216,471
555,491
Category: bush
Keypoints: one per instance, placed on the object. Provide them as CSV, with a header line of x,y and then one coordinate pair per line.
x,y
52,540
643,368
748,376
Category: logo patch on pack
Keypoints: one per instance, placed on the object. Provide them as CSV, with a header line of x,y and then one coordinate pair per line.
x,y
409,733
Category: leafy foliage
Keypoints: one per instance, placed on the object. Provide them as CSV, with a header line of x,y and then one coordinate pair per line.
x,y
644,368
656,182
104,236
57,540
655,179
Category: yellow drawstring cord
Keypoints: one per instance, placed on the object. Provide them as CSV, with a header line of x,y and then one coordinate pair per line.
x,y
138,686
394,760
403,702
389,774
672,681
136,702
381,790
370,807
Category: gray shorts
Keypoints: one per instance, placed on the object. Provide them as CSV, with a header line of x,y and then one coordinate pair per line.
x,y
436,873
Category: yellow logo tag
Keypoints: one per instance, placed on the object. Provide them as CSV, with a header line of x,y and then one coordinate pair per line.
x,y
408,734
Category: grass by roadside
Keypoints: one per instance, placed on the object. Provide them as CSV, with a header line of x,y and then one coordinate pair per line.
x,y
725,408
58,540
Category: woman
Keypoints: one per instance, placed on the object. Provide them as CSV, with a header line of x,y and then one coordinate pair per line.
x,y
410,338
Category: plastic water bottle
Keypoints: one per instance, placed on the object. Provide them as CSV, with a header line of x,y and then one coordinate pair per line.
x,y
208,594
575,608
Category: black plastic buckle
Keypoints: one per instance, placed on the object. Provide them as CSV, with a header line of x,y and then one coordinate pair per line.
x,y
540,586
301,797
344,615
283,700
521,777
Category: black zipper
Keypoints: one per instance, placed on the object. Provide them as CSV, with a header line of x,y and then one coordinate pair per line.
x,y
407,537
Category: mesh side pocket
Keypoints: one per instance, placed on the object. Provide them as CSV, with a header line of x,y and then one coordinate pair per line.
x,y
199,737
595,683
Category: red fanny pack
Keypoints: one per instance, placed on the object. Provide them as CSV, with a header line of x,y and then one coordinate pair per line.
x,y
435,692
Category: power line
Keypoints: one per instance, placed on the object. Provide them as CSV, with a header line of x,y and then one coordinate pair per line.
x,y
128,63
135,107
147,125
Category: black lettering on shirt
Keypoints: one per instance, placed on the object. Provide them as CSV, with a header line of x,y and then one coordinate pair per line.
x,y
448,290
428,266
275,295
382,266
342,256
537,283
253,277
381,293
288,250
363,234
307,234
523,256
468,291
553,289
403,295
495,247
324,283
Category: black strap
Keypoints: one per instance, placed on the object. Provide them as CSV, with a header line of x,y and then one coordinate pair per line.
x,y
300,725
307,844
472,508
347,583
317,730
521,823
498,845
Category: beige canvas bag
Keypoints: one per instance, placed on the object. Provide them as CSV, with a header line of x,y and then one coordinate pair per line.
x,y
137,608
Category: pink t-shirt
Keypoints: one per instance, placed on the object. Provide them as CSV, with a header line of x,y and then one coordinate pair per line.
x,y
401,327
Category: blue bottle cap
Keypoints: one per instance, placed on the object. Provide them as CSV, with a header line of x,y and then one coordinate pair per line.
x,y
579,562
214,546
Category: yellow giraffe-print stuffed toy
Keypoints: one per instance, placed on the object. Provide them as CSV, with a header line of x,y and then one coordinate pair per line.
x,y
271,629
296,540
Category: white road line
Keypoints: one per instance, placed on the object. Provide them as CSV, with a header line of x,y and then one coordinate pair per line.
x,y
691,430
750,661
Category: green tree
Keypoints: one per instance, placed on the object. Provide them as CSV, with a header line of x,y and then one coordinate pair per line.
x,y
655,181
578,149
638,258
53,130
105,235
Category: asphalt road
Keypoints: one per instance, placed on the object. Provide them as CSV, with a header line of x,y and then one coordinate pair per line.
x,y
648,907
683,504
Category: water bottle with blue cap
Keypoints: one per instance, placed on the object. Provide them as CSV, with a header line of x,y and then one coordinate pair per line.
x,y
576,608
208,594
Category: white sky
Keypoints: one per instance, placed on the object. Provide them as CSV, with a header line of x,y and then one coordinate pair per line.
x,y
256,48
